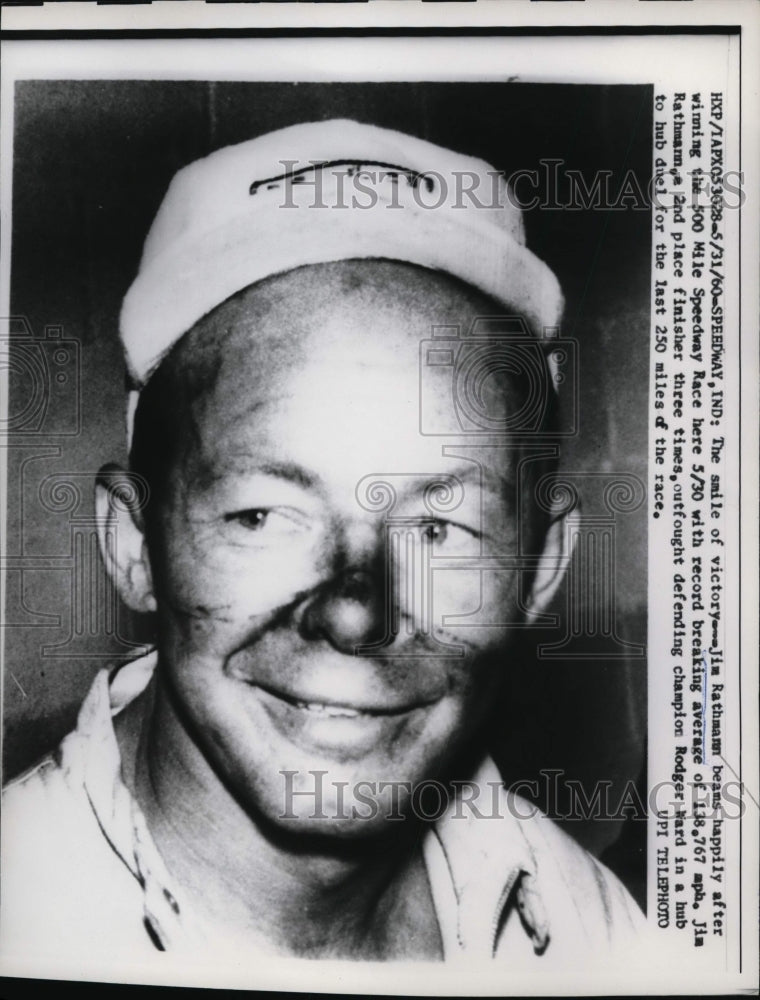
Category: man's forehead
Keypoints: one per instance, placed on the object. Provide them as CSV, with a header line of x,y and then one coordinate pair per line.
x,y
335,303
328,352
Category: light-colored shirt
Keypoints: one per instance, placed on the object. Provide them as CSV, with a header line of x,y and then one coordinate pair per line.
x,y
82,877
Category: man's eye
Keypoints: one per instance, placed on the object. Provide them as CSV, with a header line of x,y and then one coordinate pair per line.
x,y
437,532
269,522
252,518
453,538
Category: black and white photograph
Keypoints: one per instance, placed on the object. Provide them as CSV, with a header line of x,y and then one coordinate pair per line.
x,y
362,521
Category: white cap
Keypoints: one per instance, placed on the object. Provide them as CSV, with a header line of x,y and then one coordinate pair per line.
x,y
320,192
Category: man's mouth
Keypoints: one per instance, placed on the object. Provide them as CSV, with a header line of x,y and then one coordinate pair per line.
x,y
356,718
334,709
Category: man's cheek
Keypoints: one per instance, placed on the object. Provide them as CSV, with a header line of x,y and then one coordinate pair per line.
x,y
473,680
455,591
193,632
475,601
239,582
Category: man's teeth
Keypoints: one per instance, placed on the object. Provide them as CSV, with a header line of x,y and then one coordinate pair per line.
x,y
318,708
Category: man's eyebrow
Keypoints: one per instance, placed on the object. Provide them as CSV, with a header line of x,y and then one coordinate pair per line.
x,y
289,471
482,475
470,474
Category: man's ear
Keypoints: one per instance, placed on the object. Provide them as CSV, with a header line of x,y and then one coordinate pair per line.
x,y
555,559
122,538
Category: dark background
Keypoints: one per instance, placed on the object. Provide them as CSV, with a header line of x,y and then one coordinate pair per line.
x,y
92,161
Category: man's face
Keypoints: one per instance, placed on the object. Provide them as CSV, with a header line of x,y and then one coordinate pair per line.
x,y
271,552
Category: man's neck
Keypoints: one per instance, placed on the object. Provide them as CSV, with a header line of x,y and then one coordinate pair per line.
x,y
292,895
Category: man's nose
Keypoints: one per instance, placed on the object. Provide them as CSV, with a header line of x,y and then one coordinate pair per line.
x,y
347,612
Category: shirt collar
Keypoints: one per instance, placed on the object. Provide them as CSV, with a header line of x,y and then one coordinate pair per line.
x,y
491,863
90,757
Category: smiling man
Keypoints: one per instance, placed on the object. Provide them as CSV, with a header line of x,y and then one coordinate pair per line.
x,y
336,548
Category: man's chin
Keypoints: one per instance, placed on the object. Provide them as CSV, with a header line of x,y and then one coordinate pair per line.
x,y
351,804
